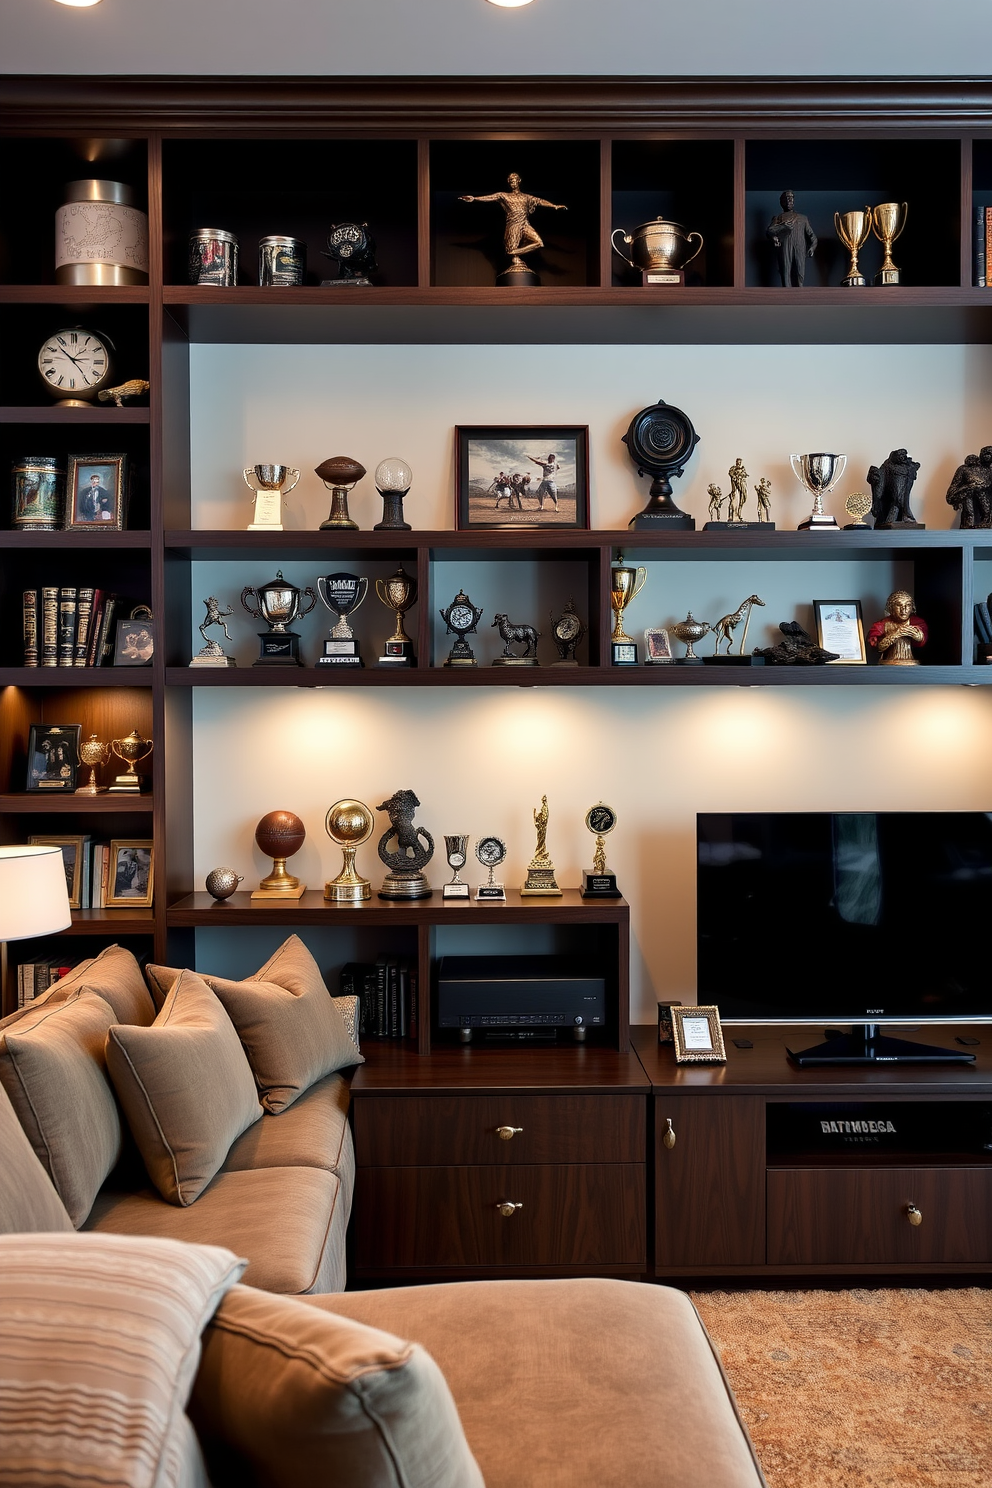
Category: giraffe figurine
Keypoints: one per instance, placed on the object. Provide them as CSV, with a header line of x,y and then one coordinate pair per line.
x,y
724,628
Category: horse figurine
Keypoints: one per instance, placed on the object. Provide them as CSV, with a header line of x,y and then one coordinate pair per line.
x,y
724,628
516,635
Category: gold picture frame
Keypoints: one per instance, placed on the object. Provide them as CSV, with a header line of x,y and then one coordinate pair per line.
x,y
697,1035
73,848
840,628
131,873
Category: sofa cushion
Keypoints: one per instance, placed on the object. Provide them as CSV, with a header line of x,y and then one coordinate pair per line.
x,y
185,1087
289,1222
116,976
574,1384
297,1396
313,1133
291,1029
28,1200
52,1067
99,1344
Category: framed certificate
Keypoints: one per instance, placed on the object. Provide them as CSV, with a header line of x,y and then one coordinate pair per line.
x,y
839,628
697,1035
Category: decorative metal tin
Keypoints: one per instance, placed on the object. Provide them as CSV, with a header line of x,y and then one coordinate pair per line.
x,y
37,487
100,235
213,257
281,261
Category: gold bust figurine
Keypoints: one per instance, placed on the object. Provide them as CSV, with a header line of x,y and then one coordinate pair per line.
x,y
895,636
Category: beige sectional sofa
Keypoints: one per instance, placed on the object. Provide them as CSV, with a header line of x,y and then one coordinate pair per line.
x,y
542,1384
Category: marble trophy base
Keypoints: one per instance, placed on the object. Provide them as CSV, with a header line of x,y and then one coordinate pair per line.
x,y
340,653
265,527
738,526
900,526
599,885
278,648
518,277
405,885
517,661
662,521
822,523
541,881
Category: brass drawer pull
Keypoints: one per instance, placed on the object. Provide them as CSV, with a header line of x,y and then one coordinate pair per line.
x,y
507,1133
913,1214
668,1135
507,1208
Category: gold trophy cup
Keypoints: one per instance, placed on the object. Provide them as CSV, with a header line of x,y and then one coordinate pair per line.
x,y
397,593
853,229
888,221
349,824
625,585
93,753
132,751
268,486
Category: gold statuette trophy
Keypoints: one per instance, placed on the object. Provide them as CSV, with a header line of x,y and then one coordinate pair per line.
x,y
279,834
540,869
601,883
349,824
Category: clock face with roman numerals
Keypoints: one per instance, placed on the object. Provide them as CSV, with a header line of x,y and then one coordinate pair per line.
x,y
74,363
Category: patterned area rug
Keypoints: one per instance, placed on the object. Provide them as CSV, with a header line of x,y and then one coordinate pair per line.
x,y
859,1388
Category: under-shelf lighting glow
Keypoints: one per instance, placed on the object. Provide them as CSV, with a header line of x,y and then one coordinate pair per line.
x,y
507,4
79,3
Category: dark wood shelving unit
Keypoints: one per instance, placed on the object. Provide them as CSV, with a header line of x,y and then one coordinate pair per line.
x,y
96,415
36,803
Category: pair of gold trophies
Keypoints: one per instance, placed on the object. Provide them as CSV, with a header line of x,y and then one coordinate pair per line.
x,y
853,228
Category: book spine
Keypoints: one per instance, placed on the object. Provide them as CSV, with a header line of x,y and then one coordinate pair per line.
x,y
84,615
414,1003
394,999
67,625
346,980
86,880
380,996
30,612
22,975
104,858
105,645
96,619
988,246
49,627
367,1002
979,228
402,999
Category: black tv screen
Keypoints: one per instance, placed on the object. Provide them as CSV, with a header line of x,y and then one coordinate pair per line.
x,y
845,917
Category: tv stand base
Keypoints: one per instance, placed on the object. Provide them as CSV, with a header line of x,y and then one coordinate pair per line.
x,y
867,1046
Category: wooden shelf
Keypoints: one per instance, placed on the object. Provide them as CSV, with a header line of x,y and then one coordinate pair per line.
x,y
393,1067
111,921
571,909
75,676
97,414
74,294
88,541
589,676
33,803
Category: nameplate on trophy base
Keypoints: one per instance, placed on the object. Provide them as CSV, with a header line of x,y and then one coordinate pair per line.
x,y
265,527
398,654
340,653
599,886
491,891
455,891
213,661
738,526
662,521
279,648
624,653
887,276
662,276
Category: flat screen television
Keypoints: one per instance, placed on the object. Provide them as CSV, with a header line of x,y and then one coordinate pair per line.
x,y
863,918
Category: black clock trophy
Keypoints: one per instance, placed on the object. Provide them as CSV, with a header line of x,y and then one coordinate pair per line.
x,y
659,441
352,247
461,617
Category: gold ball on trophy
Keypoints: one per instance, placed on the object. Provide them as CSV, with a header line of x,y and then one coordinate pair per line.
x,y
349,823
280,834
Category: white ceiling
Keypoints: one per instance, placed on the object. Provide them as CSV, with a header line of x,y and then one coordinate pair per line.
x,y
549,37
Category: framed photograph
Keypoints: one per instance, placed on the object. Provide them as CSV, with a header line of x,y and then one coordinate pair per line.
x,y
95,493
697,1035
135,643
839,628
73,854
522,476
131,873
53,757
657,646
665,1005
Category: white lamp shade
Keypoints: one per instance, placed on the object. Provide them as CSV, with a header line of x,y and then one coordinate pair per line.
x,y
33,895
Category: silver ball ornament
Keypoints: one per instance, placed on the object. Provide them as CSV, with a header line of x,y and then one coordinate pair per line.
x,y
222,882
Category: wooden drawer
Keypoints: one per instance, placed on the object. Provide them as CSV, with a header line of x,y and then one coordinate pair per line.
x,y
847,1216
396,1131
582,1216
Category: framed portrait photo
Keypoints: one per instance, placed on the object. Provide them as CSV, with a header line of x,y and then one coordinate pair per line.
x,y
53,757
135,643
73,860
840,628
95,493
131,873
519,476
697,1035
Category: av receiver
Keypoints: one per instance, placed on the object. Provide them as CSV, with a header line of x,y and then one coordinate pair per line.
x,y
519,997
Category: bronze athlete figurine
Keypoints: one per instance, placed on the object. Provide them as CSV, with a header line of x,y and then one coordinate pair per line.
x,y
519,237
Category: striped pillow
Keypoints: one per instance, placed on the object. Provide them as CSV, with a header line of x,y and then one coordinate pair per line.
x,y
99,1345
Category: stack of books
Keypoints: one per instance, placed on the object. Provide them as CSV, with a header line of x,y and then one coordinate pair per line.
x,y
35,977
983,247
387,995
69,627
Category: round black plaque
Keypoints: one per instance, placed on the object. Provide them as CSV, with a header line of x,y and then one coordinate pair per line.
x,y
660,440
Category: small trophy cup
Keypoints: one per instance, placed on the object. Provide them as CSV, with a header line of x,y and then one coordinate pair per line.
x,y
397,593
625,585
660,250
349,824
212,654
601,883
887,222
340,475
132,751
853,229
413,851
456,848
342,594
541,870
690,631
93,753
819,474
278,604
491,851
461,618
279,834
393,479
268,494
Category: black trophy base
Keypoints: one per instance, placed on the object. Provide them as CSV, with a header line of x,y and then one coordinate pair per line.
x,y
599,886
624,653
398,654
865,1045
662,521
857,527
900,526
278,648
521,278
735,660
340,653
358,282
690,660
818,524
495,892
738,526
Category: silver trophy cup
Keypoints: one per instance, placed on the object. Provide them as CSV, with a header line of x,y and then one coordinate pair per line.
x,y
456,850
819,474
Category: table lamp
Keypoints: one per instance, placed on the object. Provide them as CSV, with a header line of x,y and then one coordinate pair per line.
x,y
34,899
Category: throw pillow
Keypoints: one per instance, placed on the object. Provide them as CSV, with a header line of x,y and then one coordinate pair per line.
x,y
28,1200
292,1030
305,1396
53,1068
186,1088
116,976
99,1343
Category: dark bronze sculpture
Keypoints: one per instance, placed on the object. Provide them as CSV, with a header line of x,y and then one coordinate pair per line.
x,y
796,648
794,241
516,635
405,879
970,491
891,486
519,236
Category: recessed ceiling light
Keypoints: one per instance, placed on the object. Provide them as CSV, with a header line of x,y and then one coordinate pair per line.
x,y
79,2
507,4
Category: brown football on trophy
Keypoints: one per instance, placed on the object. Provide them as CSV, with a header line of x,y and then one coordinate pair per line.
x,y
280,834
339,474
